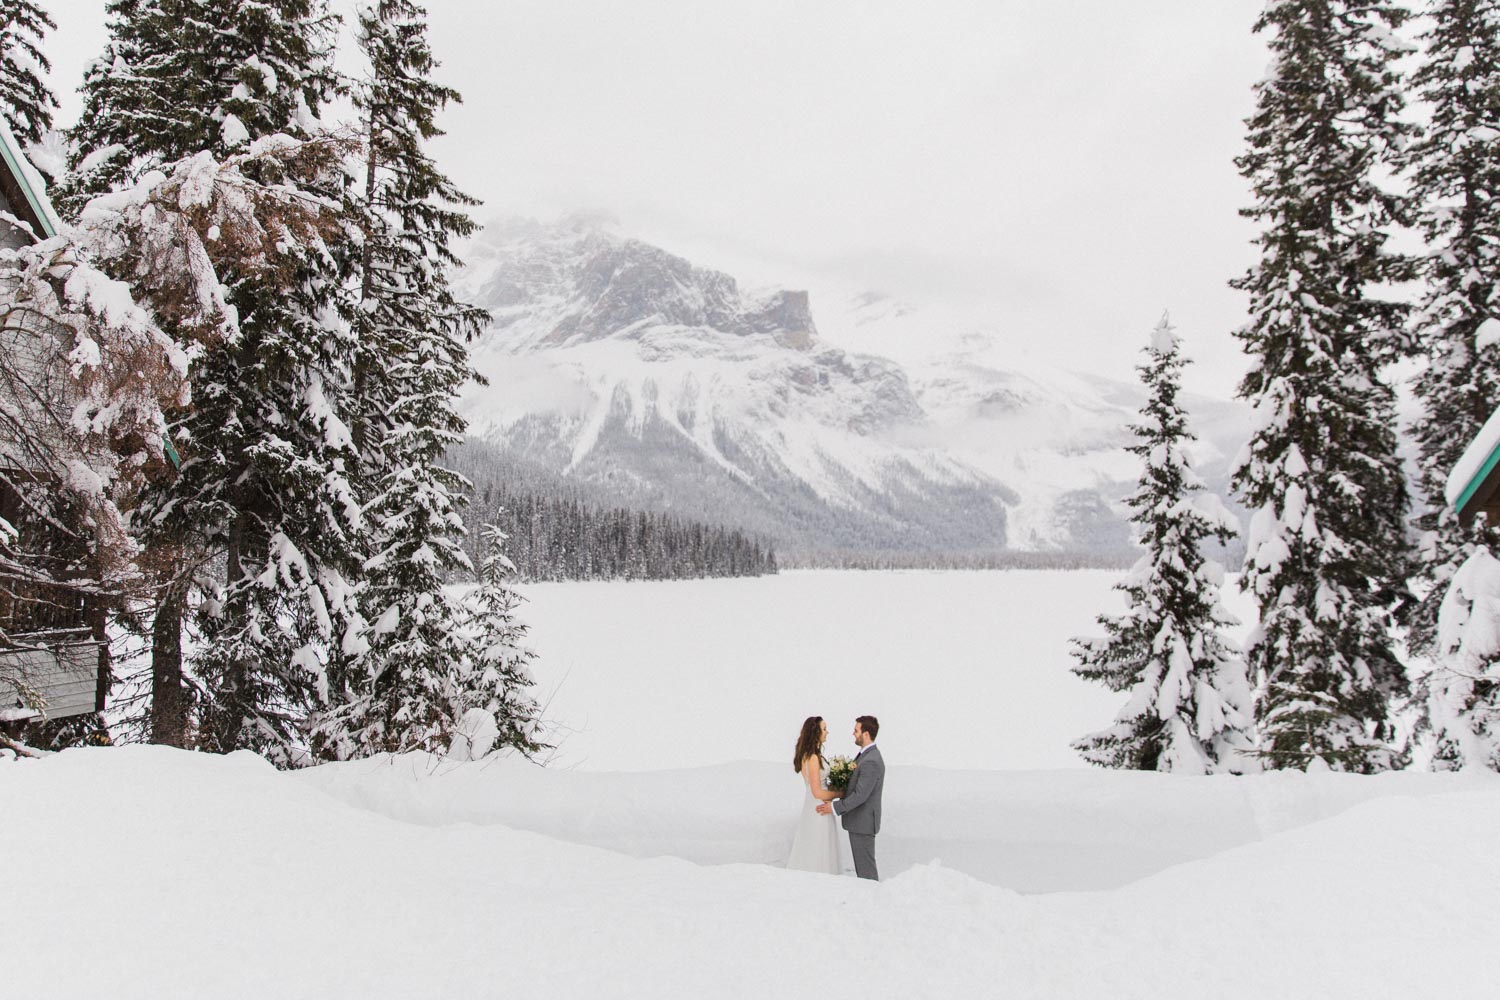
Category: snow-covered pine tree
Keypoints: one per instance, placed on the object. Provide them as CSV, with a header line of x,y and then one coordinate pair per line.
x,y
268,457
495,675
412,361
135,117
1455,184
25,99
1465,707
1326,555
270,422
473,678
1190,706
172,237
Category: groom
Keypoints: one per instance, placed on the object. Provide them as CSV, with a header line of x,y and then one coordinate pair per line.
x,y
860,805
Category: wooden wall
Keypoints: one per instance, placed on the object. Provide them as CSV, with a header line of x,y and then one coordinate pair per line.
x,y
65,677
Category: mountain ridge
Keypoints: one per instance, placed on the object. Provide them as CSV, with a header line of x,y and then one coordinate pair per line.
x,y
669,386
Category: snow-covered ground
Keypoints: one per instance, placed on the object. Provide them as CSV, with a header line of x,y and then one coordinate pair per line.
x,y
650,867
144,872
1030,831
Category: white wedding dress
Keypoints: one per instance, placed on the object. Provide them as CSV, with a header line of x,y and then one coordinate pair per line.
x,y
819,843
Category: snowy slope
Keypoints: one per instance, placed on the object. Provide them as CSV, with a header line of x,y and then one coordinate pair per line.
x,y
223,878
619,364
1054,434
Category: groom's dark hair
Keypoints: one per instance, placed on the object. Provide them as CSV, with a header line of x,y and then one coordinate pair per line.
x,y
869,724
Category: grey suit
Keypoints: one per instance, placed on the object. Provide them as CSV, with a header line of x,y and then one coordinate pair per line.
x,y
859,809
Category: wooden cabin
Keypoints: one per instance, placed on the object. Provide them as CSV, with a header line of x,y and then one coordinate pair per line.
x,y
51,666
1474,485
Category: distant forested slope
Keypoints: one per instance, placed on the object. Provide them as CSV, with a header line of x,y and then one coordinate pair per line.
x,y
558,530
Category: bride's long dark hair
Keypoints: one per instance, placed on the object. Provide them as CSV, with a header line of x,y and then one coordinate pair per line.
x,y
809,743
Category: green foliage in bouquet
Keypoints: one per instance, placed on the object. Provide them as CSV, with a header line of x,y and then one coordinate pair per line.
x,y
840,769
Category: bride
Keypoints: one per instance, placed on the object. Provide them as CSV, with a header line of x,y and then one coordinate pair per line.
x,y
817,846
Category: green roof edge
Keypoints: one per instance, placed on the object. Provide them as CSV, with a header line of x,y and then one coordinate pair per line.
x,y
1477,480
35,203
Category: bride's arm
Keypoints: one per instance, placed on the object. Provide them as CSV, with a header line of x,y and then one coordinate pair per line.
x,y
811,776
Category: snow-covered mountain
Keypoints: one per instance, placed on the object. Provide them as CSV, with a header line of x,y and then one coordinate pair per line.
x,y
661,384
1056,437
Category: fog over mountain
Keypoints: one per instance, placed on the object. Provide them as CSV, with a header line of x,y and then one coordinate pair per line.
x,y
624,368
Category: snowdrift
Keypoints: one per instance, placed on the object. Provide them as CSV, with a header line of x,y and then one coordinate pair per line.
x,y
148,872
1030,831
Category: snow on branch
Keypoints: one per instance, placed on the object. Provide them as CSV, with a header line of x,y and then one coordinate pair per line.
x,y
181,234
98,326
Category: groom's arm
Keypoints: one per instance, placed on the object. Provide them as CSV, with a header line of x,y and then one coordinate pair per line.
x,y
864,787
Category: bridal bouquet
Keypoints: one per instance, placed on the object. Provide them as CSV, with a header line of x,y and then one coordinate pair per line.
x,y
839,771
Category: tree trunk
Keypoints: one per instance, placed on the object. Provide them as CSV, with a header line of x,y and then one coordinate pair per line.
x,y
168,694
98,624
231,709
360,430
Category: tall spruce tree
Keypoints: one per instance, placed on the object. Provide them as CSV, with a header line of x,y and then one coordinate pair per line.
x,y
266,481
1190,706
26,102
1326,557
411,331
1455,175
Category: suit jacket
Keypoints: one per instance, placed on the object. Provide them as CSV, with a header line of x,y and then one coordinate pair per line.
x,y
859,809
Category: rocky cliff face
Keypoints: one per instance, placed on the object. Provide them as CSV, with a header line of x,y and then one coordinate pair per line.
x,y
575,282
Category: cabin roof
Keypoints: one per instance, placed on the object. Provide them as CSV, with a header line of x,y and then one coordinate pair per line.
x,y
24,188
1474,483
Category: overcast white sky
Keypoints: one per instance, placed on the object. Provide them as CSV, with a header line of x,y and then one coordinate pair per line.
x,y
1062,169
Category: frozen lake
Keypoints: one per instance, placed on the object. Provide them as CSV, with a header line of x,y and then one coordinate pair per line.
x,y
965,670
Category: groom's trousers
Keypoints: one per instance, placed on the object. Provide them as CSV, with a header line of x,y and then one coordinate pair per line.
x,y
862,849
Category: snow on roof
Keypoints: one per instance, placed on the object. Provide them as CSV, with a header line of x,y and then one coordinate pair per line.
x,y
1477,460
33,187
